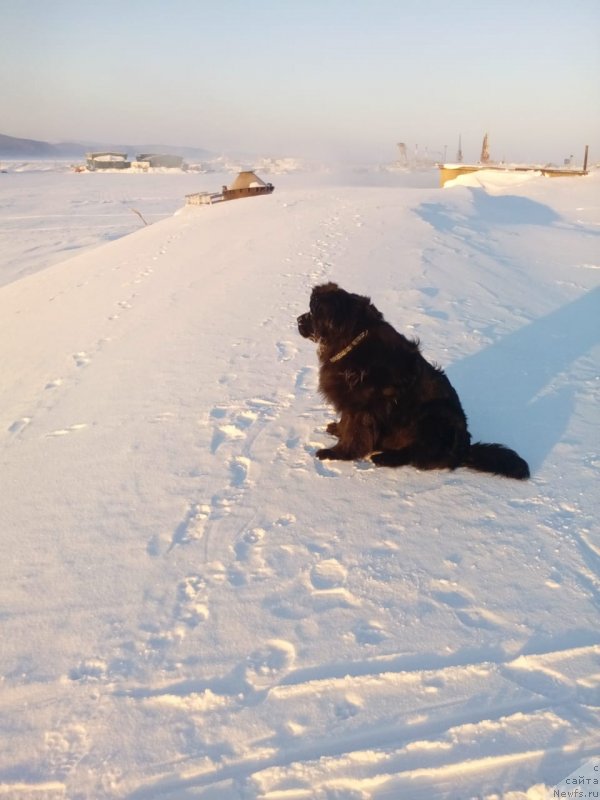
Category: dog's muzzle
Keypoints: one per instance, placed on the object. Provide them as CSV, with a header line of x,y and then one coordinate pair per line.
x,y
305,325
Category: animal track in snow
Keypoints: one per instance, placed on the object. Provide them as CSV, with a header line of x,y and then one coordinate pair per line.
x,y
451,596
232,423
321,589
191,528
143,274
53,384
306,379
461,603
328,574
65,748
249,555
165,416
328,579
240,470
191,607
248,543
348,706
78,426
18,425
234,428
369,633
223,433
323,468
81,358
269,663
481,618
90,669
286,350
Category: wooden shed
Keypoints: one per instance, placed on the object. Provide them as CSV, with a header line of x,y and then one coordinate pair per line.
x,y
247,184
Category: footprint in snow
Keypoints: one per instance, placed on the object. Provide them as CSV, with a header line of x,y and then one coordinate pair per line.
x,y
54,384
328,590
328,574
320,590
81,359
461,602
269,663
78,426
224,433
306,379
18,425
230,426
232,423
90,669
323,469
65,748
250,561
248,543
286,350
191,607
240,469
369,632
190,529
348,706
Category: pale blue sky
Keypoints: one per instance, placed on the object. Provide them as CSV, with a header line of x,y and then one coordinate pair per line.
x,y
321,78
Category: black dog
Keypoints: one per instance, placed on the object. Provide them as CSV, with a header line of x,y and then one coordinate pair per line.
x,y
394,406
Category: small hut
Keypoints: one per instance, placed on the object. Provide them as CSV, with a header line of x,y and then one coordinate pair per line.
x,y
247,184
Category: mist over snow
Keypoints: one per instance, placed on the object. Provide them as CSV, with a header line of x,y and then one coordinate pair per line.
x,y
191,604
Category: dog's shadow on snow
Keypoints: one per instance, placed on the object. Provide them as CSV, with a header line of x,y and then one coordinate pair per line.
x,y
506,388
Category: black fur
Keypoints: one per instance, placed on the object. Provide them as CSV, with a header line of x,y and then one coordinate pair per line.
x,y
394,406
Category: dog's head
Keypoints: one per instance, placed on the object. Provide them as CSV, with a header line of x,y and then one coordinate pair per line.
x,y
336,315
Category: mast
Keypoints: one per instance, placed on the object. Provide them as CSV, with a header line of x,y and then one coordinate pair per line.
x,y
403,154
459,155
485,150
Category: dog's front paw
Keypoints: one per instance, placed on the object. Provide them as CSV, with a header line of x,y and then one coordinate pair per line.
x,y
378,458
325,453
391,458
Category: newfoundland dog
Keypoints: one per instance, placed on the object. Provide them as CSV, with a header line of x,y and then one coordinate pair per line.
x,y
393,405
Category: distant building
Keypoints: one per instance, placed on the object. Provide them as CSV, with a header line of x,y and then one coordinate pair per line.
x,y
161,160
107,161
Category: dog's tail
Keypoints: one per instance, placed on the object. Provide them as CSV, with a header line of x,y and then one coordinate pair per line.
x,y
498,459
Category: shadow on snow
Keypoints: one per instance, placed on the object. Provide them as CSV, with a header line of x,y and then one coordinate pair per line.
x,y
506,390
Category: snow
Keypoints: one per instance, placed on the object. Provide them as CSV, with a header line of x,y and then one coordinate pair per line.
x,y
191,604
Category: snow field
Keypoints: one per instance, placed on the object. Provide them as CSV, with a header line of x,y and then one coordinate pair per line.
x,y
192,605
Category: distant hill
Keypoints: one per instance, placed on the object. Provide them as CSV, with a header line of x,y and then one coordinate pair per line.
x,y
12,147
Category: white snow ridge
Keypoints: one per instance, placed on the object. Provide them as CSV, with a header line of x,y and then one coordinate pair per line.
x,y
191,604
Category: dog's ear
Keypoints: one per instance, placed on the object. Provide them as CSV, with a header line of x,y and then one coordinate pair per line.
x,y
329,311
